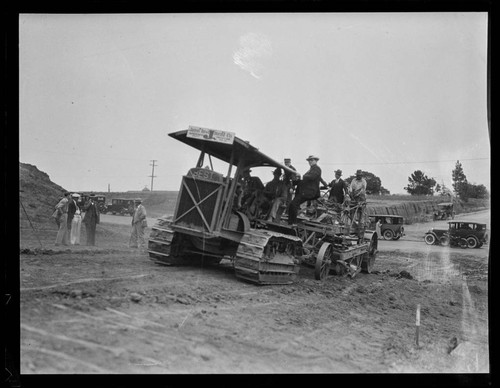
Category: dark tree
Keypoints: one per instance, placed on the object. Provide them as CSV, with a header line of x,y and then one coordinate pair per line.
x,y
477,191
420,184
373,183
460,184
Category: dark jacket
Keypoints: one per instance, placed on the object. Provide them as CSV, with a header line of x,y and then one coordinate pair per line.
x,y
92,215
290,179
275,189
309,185
72,206
338,190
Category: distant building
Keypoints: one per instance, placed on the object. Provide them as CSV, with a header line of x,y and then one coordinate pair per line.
x,y
145,188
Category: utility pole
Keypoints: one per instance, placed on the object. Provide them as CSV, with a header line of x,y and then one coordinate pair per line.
x,y
152,173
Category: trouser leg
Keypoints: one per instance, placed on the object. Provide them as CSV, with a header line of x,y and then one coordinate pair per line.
x,y
78,231
93,233
293,208
90,233
61,237
133,237
274,208
140,235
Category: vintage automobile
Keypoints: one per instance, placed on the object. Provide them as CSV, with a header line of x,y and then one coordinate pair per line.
x,y
100,199
445,211
121,206
209,225
475,234
391,227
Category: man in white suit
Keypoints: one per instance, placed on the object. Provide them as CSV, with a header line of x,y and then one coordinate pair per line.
x,y
139,224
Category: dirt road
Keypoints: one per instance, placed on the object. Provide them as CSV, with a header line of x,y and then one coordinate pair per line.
x,y
109,309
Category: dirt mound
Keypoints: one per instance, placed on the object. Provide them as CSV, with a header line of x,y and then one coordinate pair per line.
x,y
37,194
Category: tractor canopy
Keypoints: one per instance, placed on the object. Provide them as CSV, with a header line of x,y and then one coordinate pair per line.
x,y
226,147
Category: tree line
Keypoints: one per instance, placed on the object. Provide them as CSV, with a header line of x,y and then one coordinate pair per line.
x,y
420,184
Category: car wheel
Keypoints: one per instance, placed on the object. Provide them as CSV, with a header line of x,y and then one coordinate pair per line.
x,y
430,239
472,242
462,243
388,234
479,245
397,236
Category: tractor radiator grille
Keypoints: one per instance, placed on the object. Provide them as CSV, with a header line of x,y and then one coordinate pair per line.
x,y
191,211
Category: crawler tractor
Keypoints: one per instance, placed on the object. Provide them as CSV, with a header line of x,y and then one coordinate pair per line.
x,y
208,224
207,227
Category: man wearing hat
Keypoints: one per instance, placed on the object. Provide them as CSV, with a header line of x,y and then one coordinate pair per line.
x,y
357,189
139,224
338,189
62,220
72,206
251,188
307,188
91,218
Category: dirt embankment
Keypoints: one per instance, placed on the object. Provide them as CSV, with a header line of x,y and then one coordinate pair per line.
x,y
422,211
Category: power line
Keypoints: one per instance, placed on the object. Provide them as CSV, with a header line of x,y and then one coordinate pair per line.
x,y
152,173
415,162
335,163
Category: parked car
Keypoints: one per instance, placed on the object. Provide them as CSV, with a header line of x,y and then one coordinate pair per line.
x,y
391,227
444,212
100,199
121,206
474,233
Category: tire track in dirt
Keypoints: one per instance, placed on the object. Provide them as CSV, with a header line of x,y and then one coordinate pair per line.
x,y
72,360
88,280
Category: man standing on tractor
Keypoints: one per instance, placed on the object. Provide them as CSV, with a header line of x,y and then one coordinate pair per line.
x,y
307,188
357,189
338,192
290,180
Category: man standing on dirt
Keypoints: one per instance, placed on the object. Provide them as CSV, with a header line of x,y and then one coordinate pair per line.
x,y
139,223
62,211
357,192
72,206
307,189
91,219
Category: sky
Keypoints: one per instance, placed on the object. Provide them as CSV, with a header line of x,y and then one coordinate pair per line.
x,y
388,93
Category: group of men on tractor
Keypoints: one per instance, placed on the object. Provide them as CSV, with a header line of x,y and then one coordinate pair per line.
x,y
290,190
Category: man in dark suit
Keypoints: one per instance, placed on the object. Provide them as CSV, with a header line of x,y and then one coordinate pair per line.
x,y
71,210
307,188
91,219
290,180
338,189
